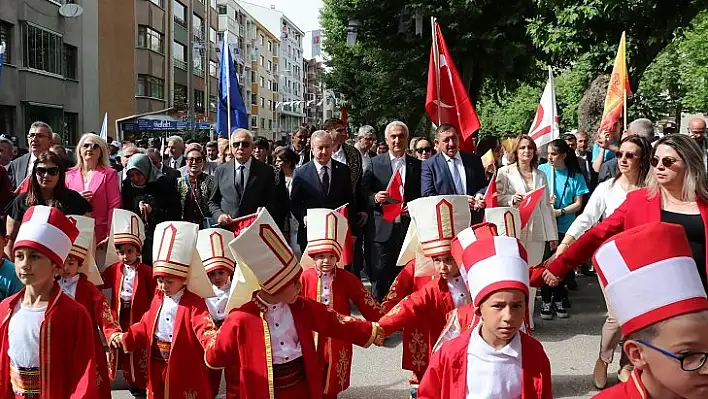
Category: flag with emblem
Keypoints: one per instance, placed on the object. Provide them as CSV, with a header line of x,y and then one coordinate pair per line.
x,y
545,125
394,206
617,90
529,203
490,197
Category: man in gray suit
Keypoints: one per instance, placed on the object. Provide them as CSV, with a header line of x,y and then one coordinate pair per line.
x,y
40,140
642,127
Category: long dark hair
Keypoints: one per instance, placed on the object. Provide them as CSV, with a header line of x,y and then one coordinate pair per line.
x,y
644,159
571,160
34,193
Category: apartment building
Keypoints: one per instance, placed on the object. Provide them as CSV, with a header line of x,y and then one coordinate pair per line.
x,y
265,96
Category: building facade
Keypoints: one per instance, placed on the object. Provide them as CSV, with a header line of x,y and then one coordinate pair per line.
x,y
265,96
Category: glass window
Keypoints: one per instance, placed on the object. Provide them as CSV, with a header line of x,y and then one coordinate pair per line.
x,y
213,68
149,86
179,55
221,10
198,25
253,76
270,46
180,96
6,36
157,2
212,104
254,122
270,65
70,61
213,35
262,123
262,61
150,39
262,41
254,99
270,124
180,13
262,81
42,49
262,102
199,101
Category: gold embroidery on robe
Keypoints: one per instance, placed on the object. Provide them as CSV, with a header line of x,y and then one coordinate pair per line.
x,y
342,368
419,350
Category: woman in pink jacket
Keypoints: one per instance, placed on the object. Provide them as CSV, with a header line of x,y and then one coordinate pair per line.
x,y
96,181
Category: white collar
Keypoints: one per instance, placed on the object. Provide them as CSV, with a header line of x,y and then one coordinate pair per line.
x,y
319,166
246,165
395,158
220,291
448,158
72,279
176,297
479,346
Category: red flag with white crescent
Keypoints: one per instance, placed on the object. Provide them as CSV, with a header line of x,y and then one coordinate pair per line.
x,y
545,125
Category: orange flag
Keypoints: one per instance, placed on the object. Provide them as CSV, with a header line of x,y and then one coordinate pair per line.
x,y
617,90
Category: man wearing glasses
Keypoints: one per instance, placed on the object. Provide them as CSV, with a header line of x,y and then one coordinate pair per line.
x,y
697,130
39,139
244,184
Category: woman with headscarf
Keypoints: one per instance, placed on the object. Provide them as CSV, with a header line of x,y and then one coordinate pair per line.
x,y
151,195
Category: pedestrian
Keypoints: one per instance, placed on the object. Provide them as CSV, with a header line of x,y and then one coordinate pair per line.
x,y
177,328
39,139
268,309
299,145
175,147
79,279
326,281
34,355
195,188
423,148
495,359
662,309
132,288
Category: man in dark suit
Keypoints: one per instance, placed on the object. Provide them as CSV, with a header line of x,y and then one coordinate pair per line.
x,y
453,172
300,147
387,238
39,139
172,174
642,127
243,184
320,183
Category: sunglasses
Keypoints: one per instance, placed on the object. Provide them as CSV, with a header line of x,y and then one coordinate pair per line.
x,y
41,171
33,136
423,149
195,160
242,144
667,162
627,155
92,146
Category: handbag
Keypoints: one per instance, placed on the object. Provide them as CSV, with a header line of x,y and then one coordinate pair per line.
x,y
207,221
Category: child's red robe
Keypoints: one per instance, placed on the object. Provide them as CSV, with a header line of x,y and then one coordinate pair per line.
x,y
632,389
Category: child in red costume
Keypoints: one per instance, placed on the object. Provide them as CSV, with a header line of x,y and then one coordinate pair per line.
x,y
43,336
661,306
271,319
79,279
178,327
325,280
495,359
132,288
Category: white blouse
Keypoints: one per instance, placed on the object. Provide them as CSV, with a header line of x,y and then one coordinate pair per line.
x,y
603,202
23,335
126,292
284,341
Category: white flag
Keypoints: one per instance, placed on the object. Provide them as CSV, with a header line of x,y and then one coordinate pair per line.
x,y
104,128
545,124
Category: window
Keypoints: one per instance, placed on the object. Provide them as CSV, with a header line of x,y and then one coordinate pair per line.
x,y
213,68
180,13
270,65
262,61
270,124
212,104
71,126
6,36
198,26
149,86
254,122
262,102
262,81
212,3
42,49
70,61
270,85
197,60
253,77
270,46
254,99
221,10
212,35
150,39
199,101
262,123
262,41
180,96
179,55
275,68
157,2
270,104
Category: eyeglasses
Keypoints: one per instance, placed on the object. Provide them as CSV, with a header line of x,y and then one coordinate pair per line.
x,y
195,159
628,155
666,161
242,144
42,171
92,146
33,136
690,361
423,149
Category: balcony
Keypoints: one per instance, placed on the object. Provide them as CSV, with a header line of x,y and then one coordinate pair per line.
x,y
228,24
179,64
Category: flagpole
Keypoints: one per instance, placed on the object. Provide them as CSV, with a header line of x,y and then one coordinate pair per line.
x,y
624,91
436,58
226,57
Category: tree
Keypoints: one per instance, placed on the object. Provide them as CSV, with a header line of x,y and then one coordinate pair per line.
x,y
693,64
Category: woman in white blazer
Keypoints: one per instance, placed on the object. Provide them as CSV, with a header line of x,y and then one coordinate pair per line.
x,y
516,180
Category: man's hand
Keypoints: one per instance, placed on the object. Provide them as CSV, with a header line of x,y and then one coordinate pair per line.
x,y
550,279
304,221
480,203
516,199
381,197
363,218
224,220
117,341
145,208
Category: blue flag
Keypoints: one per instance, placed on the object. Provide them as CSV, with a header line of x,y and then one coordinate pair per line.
x,y
2,56
229,96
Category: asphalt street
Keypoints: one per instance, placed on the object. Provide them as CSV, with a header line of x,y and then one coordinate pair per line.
x,y
571,344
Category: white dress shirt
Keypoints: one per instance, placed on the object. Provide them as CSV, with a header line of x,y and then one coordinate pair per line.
x,y
493,373
217,304
23,335
458,290
68,285
340,156
603,202
398,163
319,169
365,161
284,341
176,163
167,316
460,168
326,293
128,285
246,172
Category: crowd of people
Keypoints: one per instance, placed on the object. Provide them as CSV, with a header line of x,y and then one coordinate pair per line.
x,y
245,255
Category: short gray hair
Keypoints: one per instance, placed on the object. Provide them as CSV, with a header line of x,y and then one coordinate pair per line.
x,y
241,130
5,140
366,129
178,139
320,134
642,127
42,124
396,124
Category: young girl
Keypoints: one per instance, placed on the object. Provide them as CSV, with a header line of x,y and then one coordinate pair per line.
x,y
213,248
495,359
326,281
132,288
79,279
177,327
43,336
271,318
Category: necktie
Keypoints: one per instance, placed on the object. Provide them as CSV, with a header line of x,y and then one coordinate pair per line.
x,y
459,188
240,185
325,180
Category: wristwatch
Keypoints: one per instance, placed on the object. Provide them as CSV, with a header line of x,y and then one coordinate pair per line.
x,y
562,211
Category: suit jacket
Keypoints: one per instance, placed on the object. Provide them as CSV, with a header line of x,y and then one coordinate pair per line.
x,y
306,192
377,178
260,192
608,170
106,195
304,157
209,168
436,178
172,173
17,169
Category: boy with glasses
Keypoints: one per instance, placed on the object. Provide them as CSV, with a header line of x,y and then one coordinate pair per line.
x,y
658,299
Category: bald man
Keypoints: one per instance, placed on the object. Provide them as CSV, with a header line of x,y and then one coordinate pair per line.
x,y
697,130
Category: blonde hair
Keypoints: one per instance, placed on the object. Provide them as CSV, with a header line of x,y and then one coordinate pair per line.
x,y
102,160
694,180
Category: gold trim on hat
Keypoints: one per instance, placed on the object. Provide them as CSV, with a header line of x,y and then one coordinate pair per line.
x,y
171,268
219,261
286,257
446,220
127,238
79,252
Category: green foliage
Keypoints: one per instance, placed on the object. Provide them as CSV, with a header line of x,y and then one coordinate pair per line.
x,y
693,65
512,113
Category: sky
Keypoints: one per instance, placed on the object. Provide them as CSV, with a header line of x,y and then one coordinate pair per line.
x,y
304,13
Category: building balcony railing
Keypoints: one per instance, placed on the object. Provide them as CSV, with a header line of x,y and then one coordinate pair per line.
x,y
179,63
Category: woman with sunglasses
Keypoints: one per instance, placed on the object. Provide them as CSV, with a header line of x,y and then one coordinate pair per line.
x,y
677,192
514,182
195,187
47,187
96,181
633,162
422,148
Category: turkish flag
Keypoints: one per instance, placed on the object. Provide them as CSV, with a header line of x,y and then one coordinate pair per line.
x,y
24,186
348,248
490,197
447,100
395,192
243,223
529,203
343,114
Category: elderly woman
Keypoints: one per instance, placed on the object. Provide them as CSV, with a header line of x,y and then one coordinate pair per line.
x,y
150,194
96,181
195,187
